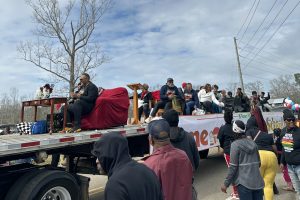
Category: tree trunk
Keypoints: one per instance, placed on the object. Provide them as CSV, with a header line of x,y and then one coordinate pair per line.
x,y
72,78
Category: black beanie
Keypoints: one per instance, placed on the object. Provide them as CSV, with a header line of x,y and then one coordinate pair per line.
x,y
288,114
172,117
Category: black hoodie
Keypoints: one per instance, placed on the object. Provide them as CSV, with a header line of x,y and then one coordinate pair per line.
x,y
127,179
186,142
225,137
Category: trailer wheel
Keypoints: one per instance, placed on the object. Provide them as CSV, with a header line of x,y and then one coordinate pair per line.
x,y
18,186
56,185
203,153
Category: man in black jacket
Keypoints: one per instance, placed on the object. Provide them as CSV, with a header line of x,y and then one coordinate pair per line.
x,y
241,102
167,93
127,179
83,102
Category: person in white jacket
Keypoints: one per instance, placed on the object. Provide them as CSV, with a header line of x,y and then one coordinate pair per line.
x,y
206,97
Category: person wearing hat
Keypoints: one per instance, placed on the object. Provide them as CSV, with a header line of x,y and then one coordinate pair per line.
x,y
244,166
127,179
146,97
167,93
171,165
291,149
285,173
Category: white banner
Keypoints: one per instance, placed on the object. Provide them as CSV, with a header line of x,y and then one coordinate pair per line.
x,y
205,128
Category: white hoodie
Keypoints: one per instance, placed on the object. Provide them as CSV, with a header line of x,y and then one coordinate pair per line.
x,y
208,96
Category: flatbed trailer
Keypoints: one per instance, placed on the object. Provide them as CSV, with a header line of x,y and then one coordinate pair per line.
x,y
42,181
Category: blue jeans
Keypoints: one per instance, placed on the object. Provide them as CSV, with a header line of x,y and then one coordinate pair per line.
x,y
247,194
188,107
294,172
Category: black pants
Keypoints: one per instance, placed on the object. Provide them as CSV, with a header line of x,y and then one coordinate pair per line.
x,y
207,105
75,111
161,105
55,160
144,109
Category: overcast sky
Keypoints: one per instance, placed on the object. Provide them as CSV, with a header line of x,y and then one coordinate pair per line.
x,y
151,40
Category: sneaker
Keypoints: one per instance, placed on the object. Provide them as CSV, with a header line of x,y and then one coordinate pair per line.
x,y
233,197
74,130
65,130
148,120
288,188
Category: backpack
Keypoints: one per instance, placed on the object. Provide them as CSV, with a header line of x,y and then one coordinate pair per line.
x,y
39,127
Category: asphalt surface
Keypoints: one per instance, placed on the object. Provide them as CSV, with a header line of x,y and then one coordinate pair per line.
x,y
208,180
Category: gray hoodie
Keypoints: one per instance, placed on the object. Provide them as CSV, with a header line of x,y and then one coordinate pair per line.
x,y
244,165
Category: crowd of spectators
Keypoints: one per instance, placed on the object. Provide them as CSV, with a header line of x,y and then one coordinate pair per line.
x,y
208,98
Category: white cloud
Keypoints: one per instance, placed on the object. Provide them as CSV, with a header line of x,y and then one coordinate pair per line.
x,y
149,41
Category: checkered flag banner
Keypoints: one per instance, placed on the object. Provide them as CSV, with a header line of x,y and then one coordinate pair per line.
x,y
25,127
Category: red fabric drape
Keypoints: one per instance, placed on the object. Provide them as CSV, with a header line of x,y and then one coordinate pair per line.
x,y
110,110
259,119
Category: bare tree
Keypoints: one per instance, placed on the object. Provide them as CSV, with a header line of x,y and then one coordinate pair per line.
x,y
285,86
254,86
64,45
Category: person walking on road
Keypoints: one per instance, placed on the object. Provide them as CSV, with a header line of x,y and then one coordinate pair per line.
x,y
244,166
127,179
171,165
291,149
183,140
226,137
267,152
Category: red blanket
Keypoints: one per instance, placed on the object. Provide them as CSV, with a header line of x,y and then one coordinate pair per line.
x,y
111,109
156,95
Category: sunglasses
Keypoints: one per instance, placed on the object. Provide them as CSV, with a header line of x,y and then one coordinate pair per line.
x,y
290,119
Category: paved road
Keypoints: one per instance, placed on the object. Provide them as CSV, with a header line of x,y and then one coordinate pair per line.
x,y
208,180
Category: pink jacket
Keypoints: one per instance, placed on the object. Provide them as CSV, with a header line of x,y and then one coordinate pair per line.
x,y
174,170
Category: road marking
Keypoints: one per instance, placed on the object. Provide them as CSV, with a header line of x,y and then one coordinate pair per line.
x,y
96,190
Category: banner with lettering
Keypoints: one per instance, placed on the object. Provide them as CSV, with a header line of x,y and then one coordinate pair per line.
x,y
205,128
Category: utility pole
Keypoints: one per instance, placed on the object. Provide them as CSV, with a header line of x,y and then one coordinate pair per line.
x,y
239,65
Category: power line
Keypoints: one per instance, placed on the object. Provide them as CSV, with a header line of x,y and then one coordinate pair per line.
x,y
246,18
268,59
253,47
268,27
260,25
265,65
271,54
258,77
250,20
273,33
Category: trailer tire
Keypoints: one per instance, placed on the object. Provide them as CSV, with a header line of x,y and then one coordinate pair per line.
x,y
18,186
56,184
203,153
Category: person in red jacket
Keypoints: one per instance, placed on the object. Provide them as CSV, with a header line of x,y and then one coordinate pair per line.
x,y
171,165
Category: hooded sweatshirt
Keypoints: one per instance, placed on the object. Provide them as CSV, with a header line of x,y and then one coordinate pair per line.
x,y
225,137
244,165
127,179
186,142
